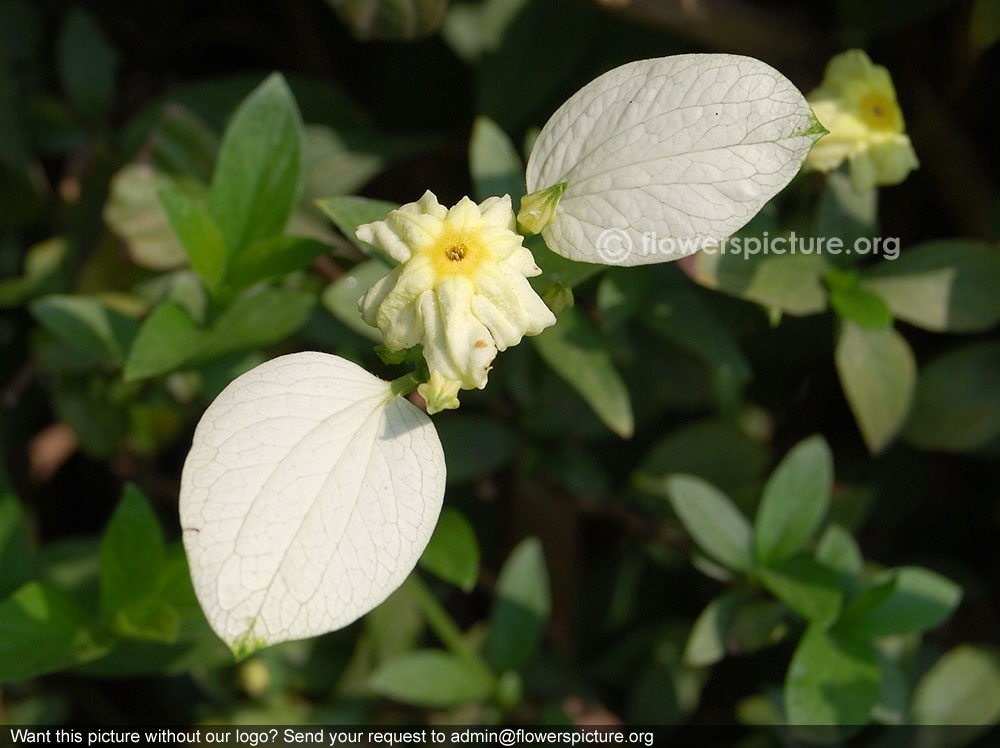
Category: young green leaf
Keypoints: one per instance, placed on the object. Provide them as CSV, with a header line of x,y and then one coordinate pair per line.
x,y
273,257
256,180
951,285
495,164
430,678
878,372
906,600
520,609
686,148
807,587
712,520
133,556
256,318
575,350
199,235
864,308
795,501
86,324
42,629
832,681
167,339
453,552
307,497
838,550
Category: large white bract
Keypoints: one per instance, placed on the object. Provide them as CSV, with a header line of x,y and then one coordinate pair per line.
x,y
308,496
667,156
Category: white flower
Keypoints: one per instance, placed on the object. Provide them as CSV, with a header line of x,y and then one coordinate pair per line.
x,y
857,103
461,289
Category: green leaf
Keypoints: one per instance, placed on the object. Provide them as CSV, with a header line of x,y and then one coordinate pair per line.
x,y
878,372
134,212
794,502
391,19
199,235
962,688
453,552
256,181
557,269
791,283
167,339
430,678
273,257
87,63
84,323
474,446
16,563
520,609
864,308
957,404
133,556
712,520
349,212
807,587
837,550
916,601
42,630
577,352
951,285
341,297
495,164
832,680
256,318
708,641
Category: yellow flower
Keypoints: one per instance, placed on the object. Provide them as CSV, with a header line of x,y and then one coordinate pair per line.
x,y
461,289
857,103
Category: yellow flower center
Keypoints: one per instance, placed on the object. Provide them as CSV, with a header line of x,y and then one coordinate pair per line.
x,y
456,252
879,111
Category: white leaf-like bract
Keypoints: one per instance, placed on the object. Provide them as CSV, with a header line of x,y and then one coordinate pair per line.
x,y
667,156
308,495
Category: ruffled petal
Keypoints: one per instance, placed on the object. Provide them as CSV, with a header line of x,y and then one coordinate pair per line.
x,y
456,343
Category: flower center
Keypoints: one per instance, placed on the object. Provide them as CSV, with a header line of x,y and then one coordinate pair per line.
x,y
456,253
879,111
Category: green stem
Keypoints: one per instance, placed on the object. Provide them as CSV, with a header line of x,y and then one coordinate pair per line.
x,y
444,626
405,384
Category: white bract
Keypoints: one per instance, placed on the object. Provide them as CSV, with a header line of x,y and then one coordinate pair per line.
x,y
667,156
308,496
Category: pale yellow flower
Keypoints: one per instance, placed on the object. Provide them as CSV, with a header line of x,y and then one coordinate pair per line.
x,y
461,289
857,103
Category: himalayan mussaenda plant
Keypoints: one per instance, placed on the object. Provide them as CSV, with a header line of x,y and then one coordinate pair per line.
x,y
857,103
312,486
